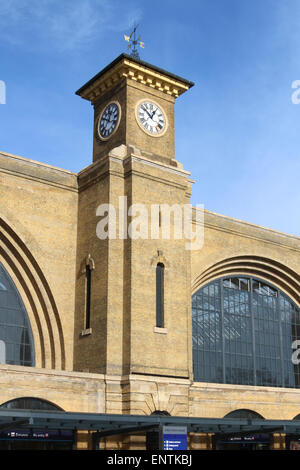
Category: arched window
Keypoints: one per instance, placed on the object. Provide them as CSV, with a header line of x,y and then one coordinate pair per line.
x,y
29,403
243,333
160,295
160,413
89,267
152,437
88,277
243,414
16,341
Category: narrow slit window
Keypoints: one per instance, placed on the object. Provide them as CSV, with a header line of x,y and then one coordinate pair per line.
x,y
88,276
160,295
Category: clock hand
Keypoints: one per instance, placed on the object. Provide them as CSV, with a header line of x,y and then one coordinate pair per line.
x,y
145,109
111,116
153,113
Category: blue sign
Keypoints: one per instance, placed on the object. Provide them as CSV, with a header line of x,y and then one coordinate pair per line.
x,y
174,438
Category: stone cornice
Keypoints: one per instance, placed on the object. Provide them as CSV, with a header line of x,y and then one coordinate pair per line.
x,y
36,171
125,67
248,230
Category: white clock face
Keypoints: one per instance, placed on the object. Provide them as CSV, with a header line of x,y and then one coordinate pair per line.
x,y
109,120
151,118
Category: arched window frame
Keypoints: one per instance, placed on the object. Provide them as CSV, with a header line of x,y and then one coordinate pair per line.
x,y
273,292
243,414
30,403
27,331
88,280
87,271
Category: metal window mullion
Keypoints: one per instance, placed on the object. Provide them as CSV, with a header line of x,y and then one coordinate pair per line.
x,y
222,330
253,333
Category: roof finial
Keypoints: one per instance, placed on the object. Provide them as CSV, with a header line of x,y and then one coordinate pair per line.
x,y
134,42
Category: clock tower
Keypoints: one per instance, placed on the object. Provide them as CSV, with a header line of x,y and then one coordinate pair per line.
x,y
134,105
134,169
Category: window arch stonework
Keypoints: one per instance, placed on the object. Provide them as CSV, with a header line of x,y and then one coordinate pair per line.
x,y
159,258
37,296
271,270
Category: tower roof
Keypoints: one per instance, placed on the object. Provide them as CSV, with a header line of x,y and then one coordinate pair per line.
x,y
126,66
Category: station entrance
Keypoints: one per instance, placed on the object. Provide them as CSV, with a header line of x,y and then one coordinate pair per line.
x,y
15,438
36,440
52,429
244,443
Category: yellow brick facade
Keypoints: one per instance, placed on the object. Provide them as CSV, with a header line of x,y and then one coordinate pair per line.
x,y
124,364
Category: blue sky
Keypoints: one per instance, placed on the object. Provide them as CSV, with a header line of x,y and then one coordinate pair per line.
x,y
237,129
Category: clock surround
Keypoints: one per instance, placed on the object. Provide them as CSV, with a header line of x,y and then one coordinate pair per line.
x,y
151,117
106,130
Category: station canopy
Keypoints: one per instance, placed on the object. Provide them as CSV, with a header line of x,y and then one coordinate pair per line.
x,y
113,424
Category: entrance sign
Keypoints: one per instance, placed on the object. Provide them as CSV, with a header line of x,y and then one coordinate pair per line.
x,y
174,438
51,435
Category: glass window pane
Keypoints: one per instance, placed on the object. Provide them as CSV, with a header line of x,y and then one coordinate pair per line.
x,y
249,331
244,284
235,283
207,334
15,331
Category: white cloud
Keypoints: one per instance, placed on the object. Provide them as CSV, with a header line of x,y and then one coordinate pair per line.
x,y
66,24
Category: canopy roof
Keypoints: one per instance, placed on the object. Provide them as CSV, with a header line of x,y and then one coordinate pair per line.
x,y
110,424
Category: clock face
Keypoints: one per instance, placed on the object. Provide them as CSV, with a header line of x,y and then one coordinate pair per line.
x,y
109,120
151,118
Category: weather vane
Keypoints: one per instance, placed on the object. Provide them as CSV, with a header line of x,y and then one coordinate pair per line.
x,y
134,42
